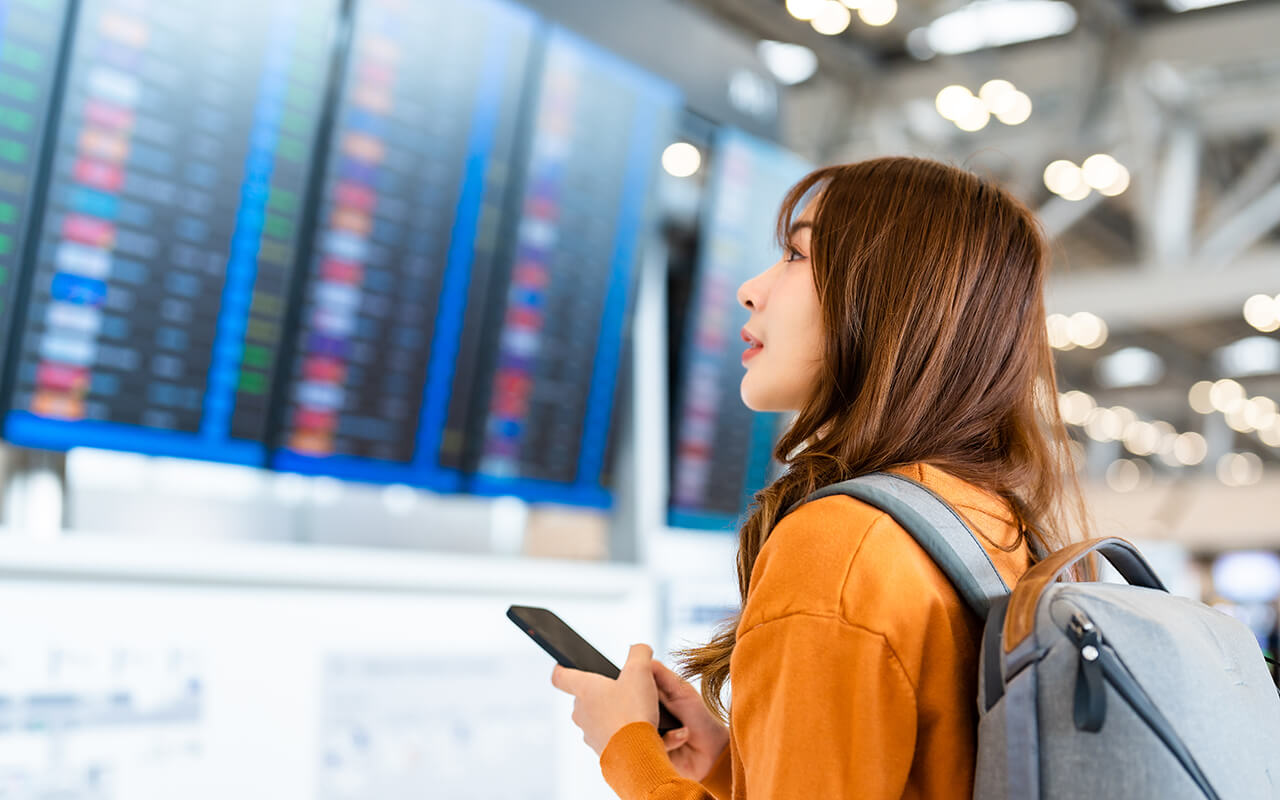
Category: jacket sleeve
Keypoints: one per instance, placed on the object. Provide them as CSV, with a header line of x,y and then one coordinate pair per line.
x,y
636,767
821,708
719,781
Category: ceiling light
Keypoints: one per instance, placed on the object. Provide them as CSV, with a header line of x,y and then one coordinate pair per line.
x,y
1126,416
1239,469
1059,332
952,101
1226,395
1263,312
1087,330
1261,413
877,12
975,117
1190,448
1100,170
997,94
1063,177
918,45
1141,438
1079,193
681,159
1117,186
1236,419
832,18
1129,366
1126,475
1018,110
994,23
1199,398
1192,5
1252,355
1247,576
804,9
790,63
1104,425
1075,407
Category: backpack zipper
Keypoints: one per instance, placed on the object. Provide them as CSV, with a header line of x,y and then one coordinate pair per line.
x,y
1098,660
1090,709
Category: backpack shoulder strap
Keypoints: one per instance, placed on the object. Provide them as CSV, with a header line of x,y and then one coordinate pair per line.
x,y
937,528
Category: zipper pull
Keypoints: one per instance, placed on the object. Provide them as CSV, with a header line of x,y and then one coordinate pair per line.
x,y
1080,625
1090,709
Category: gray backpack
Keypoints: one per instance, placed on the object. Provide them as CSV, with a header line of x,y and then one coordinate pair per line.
x,y
1098,689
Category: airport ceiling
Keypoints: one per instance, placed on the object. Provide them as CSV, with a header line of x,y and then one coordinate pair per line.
x,y
884,45
1188,101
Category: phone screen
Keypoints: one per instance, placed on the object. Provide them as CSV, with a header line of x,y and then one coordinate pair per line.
x,y
562,642
571,650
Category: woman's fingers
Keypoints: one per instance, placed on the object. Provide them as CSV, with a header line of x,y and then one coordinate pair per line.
x,y
666,678
669,684
570,681
675,739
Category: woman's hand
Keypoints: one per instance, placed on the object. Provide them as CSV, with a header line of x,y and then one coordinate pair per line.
x,y
696,746
602,706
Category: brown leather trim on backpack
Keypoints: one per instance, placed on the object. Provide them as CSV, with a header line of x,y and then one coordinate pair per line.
x,y
1021,618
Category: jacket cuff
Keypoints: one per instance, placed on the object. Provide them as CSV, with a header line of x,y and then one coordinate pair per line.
x,y
719,780
634,762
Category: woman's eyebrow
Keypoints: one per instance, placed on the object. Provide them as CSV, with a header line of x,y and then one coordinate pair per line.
x,y
796,227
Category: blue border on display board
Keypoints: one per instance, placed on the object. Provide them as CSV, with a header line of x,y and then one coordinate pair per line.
x,y
777,170
656,103
212,442
506,21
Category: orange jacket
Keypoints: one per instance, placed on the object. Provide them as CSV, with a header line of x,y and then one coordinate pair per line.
x,y
855,670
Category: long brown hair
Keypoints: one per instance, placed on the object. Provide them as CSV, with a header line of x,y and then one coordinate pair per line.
x,y
931,284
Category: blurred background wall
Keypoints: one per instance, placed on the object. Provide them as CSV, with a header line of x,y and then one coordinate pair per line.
x,y
330,328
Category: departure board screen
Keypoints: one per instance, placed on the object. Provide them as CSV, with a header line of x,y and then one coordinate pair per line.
x,y
546,378
413,189
174,208
723,450
30,39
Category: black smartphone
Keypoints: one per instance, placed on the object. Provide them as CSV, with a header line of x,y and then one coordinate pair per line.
x,y
571,650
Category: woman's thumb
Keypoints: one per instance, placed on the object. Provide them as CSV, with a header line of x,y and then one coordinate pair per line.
x,y
639,655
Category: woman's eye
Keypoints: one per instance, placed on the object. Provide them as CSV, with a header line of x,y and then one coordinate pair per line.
x,y
794,254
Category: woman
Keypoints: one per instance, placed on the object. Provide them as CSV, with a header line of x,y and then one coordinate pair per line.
x,y
906,325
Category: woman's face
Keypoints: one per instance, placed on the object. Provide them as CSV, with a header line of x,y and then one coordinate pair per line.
x,y
787,321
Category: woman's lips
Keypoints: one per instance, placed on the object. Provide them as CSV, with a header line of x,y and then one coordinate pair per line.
x,y
750,352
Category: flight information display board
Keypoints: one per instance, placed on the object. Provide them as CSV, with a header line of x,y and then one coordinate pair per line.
x,y
31,34
413,187
723,450
546,377
174,211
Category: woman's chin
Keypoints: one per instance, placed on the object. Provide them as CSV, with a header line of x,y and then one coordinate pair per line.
x,y
752,399
764,401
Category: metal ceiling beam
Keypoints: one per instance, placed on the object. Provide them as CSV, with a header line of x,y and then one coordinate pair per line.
x,y
1261,174
1242,231
1059,214
1129,297
1172,218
